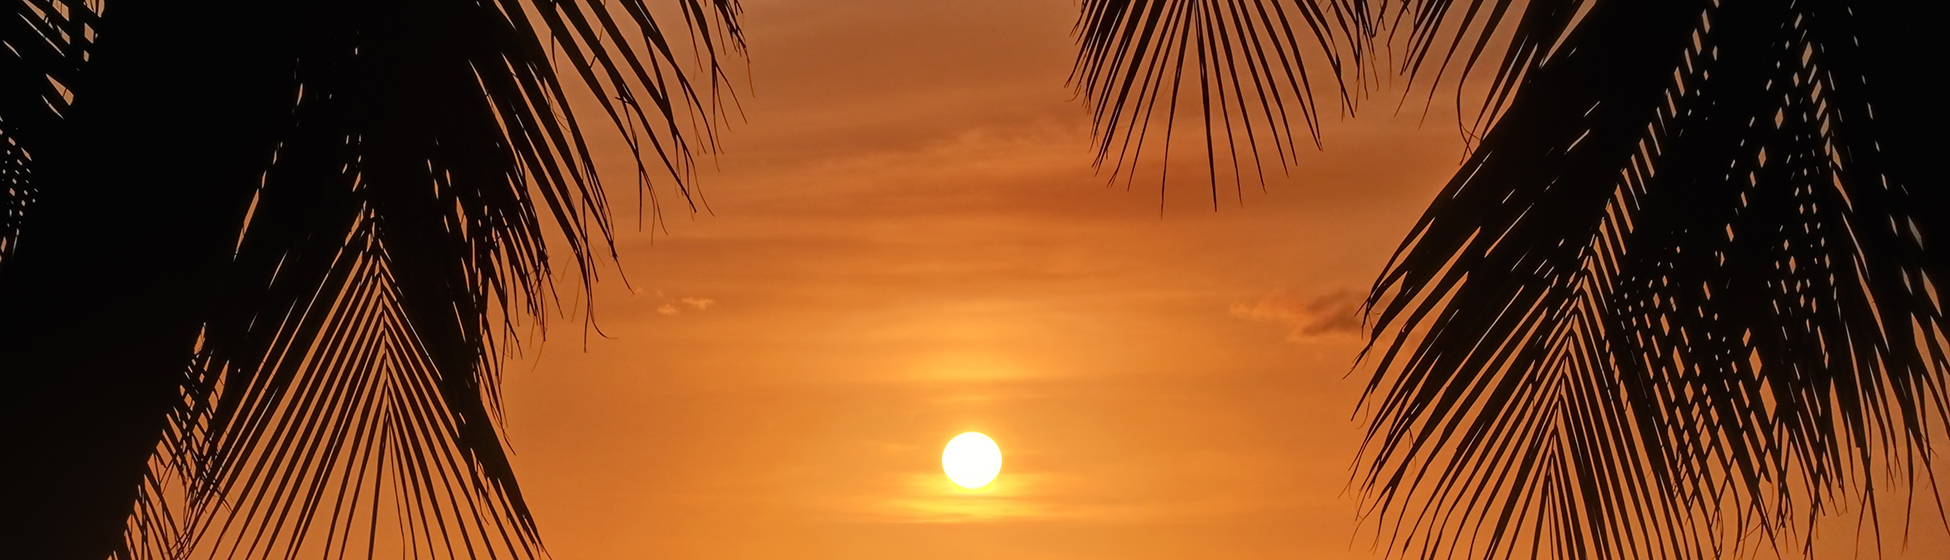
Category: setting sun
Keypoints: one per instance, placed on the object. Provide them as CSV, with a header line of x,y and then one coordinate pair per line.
x,y
971,460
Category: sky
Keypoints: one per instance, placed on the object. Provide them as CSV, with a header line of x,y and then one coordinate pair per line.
x,y
906,241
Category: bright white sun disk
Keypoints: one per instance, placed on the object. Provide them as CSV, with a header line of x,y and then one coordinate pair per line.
x,y
971,460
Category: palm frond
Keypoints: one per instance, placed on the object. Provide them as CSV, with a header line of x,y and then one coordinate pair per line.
x,y
1252,73
1679,300
43,46
344,395
1247,60
1464,34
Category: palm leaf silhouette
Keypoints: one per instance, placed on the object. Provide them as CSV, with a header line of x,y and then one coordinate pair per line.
x,y
1681,297
323,363
1247,61
46,43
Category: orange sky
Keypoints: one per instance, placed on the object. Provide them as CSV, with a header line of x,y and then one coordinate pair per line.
x,y
909,243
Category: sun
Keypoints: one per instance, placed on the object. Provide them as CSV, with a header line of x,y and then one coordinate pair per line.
x,y
971,460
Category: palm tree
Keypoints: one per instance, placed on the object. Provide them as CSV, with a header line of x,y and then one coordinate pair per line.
x,y
272,253
1681,298
259,261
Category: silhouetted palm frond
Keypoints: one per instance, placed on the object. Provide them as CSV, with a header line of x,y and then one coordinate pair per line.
x,y
1682,297
1248,61
1678,297
43,45
344,393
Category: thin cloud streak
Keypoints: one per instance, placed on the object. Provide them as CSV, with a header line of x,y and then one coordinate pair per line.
x,y
1333,316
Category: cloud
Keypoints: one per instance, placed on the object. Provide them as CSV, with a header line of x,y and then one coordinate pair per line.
x,y
667,305
1334,315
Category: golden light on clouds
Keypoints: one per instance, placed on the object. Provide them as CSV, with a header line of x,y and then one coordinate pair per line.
x,y
1310,318
971,460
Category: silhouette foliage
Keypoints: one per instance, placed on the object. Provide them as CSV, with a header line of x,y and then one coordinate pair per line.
x,y
1683,294
260,262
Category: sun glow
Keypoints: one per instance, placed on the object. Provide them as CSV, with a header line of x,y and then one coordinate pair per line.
x,y
971,460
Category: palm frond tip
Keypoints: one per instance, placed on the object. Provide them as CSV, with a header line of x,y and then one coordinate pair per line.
x,y
1251,74
345,393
